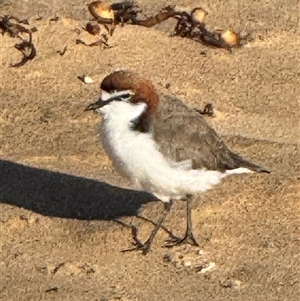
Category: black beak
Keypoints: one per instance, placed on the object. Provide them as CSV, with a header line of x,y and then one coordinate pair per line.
x,y
100,103
96,105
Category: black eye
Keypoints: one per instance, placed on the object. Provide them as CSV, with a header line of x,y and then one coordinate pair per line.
x,y
124,97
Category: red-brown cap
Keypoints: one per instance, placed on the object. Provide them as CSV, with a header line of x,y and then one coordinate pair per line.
x,y
143,89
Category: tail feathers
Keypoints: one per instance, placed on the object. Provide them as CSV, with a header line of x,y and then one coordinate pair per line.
x,y
240,162
237,171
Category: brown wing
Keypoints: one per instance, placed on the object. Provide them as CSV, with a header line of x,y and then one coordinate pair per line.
x,y
191,137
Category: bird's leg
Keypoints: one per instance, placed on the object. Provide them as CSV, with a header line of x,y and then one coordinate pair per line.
x,y
189,237
134,231
145,248
153,223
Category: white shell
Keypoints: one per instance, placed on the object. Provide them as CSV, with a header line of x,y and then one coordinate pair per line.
x,y
208,268
87,80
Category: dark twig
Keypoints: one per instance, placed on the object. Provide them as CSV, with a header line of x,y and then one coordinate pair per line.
x,y
62,52
97,43
208,110
52,289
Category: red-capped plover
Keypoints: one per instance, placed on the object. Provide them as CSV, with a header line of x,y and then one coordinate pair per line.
x,y
162,146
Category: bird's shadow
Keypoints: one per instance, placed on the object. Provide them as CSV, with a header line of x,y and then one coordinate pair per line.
x,y
62,195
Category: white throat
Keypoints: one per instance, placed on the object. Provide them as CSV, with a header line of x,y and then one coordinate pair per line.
x,y
119,115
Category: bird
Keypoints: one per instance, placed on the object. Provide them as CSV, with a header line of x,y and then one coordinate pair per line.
x,y
162,146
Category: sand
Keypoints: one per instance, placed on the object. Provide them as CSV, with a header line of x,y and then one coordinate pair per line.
x,y
60,196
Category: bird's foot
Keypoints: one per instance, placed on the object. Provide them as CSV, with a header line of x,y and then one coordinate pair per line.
x,y
187,239
144,247
138,245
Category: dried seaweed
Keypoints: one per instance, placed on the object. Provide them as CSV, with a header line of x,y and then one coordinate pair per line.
x,y
162,16
189,28
28,51
189,25
14,30
125,12
92,28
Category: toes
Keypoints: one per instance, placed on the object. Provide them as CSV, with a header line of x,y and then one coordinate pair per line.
x,y
192,241
188,239
145,248
173,242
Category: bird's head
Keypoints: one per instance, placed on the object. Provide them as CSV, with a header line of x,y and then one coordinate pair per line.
x,y
127,93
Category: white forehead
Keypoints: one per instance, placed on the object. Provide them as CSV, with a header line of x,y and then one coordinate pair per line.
x,y
105,96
